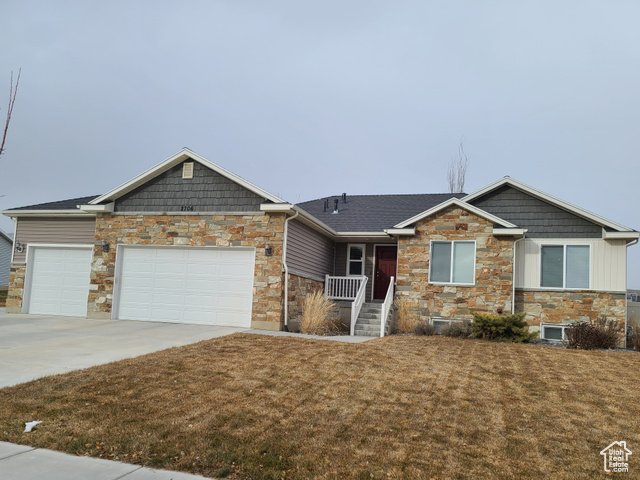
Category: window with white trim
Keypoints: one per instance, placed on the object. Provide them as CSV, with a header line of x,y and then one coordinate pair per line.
x,y
453,262
440,323
355,259
553,331
565,266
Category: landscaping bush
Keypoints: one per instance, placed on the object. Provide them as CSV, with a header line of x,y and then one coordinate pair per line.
x,y
403,321
634,339
319,316
424,328
511,328
457,329
600,333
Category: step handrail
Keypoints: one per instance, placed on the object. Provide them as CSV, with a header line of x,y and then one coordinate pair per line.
x,y
357,304
386,306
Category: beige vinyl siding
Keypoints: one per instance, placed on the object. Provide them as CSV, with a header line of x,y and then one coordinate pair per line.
x,y
53,230
608,262
308,252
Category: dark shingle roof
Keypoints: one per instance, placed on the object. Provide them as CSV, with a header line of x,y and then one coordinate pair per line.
x,y
373,213
70,204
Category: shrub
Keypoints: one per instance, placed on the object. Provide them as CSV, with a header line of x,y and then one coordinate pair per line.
x,y
512,328
424,328
457,329
404,323
600,333
319,316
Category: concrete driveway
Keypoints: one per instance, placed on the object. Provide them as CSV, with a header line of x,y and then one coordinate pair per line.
x,y
34,346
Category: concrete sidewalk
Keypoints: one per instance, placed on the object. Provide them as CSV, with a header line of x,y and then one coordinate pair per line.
x,y
19,462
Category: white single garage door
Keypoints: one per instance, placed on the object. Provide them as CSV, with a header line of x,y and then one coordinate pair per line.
x,y
59,280
212,286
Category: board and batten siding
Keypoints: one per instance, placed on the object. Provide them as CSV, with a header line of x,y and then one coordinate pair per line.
x,y
53,231
5,261
608,262
309,253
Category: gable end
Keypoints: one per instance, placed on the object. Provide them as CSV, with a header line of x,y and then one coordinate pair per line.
x,y
207,191
542,219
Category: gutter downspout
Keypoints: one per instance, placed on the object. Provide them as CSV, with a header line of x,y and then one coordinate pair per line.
x,y
285,267
513,275
626,298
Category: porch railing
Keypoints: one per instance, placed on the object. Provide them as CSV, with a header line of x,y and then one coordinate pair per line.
x,y
386,306
342,288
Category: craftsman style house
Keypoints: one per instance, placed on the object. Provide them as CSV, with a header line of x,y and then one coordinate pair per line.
x,y
188,241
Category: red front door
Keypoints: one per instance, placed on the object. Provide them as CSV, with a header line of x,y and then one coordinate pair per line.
x,y
385,268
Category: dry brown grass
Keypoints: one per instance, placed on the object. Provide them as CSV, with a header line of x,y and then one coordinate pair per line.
x,y
395,407
404,322
319,316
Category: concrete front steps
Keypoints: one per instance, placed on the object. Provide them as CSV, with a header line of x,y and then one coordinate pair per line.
x,y
368,322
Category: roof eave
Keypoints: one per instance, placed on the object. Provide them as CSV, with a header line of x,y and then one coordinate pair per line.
x,y
46,213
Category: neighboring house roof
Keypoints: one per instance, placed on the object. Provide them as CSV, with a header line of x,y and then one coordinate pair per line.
x,y
372,213
8,237
172,161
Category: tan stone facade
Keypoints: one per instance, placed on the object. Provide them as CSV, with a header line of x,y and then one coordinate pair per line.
x,y
194,230
299,288
569,306
493,270
16,288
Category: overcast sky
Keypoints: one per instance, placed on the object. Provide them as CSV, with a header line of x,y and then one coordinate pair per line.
x,y
308,99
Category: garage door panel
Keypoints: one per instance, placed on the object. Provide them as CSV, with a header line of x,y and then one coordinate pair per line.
x,y
190,285
59,280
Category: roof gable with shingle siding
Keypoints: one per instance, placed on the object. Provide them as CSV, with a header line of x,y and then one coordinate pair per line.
x,y
540,218
207,191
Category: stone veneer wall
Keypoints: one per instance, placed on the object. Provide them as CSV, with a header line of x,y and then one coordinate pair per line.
x,y
16,288
494,268
194,230
299,288
569,306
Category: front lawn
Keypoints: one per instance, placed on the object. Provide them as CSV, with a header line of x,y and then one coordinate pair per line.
x,y
253,406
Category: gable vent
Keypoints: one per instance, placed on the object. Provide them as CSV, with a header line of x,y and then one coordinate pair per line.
x,y
187,170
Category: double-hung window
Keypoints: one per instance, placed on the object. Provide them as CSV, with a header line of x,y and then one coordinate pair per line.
x,y
453,262
565,266
355,259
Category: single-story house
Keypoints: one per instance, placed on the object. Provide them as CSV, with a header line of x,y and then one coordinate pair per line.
x,y
6,243
189,241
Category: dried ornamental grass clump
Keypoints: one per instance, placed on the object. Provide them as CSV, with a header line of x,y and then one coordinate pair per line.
x,y
319,316
404,322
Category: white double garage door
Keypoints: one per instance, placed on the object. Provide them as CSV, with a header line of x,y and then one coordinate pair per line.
x,y
212,286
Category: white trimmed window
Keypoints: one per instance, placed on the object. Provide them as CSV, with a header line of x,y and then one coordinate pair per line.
x,y
355,259
553,331
453,262
565,266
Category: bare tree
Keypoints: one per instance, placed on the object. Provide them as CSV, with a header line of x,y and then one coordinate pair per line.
x,y
457,171
12,100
